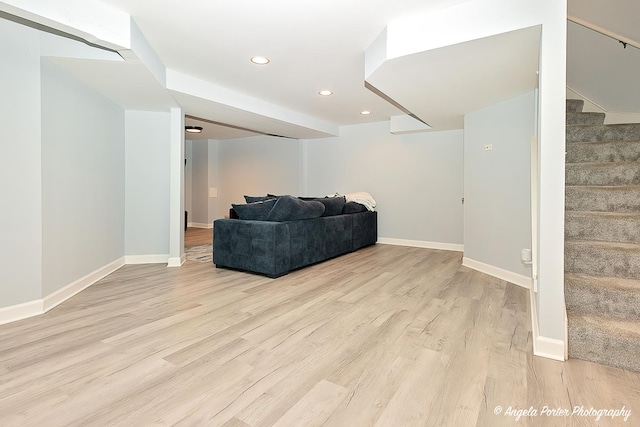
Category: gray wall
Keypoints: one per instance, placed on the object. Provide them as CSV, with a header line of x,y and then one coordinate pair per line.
x,y
20,176
200,182
416,179
147,150
213,180
188,146
256,166
497,218
82,180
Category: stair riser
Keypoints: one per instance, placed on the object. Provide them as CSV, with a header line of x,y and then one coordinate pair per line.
x,y
574,105
577,119
595,346
602,199
602,228
619,151
609,174
623,132
602,261
622,303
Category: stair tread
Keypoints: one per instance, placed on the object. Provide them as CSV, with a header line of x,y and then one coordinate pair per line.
x,y
625,141
603,214
597,243
613,187
603,281
603,164
604,323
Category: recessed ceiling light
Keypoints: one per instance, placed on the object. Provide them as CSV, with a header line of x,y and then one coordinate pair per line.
x,y
365,112
260,60
193,129
325,92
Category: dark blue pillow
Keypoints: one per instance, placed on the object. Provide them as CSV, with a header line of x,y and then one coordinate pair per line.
x,y
257,211
353,207
288,208
332,205
253,199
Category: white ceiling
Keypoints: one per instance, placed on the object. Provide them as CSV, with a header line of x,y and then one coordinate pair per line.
x,y
312,45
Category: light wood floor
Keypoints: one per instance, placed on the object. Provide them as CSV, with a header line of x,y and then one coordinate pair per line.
x,y
197,236
386,336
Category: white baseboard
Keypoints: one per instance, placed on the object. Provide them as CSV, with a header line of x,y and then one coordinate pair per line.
x,y
199,225
549,348
509,276
146,259
177,261
421,244
40,306
61,295
17,312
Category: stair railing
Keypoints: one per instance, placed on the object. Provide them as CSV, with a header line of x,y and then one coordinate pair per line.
x,y
625,41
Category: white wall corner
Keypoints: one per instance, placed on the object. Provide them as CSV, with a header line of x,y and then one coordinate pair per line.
x,y
549,348
177,261
500,273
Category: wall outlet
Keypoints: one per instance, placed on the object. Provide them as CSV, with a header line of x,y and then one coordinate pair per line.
x,y
487,147
525,255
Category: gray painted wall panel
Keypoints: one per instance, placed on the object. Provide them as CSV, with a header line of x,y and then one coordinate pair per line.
x,y
147,148
20,176
497,215
82,180
416,179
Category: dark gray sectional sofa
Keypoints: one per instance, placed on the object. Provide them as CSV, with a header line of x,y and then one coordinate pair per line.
x,y
274,248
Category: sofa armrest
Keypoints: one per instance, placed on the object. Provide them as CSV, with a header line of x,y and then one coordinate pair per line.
x,y
258,246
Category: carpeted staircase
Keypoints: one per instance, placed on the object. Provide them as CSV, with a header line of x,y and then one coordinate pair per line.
x,y
602,239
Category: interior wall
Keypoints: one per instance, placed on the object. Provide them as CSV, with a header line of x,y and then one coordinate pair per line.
x,y
200,182
212,182
416,179
256,166
188,183
497,209
20,166
82,179
147,183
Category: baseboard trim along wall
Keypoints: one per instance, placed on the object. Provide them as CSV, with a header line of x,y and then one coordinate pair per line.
x,y
177,261
61,295
147,259
20,311
421,244
199,225
549,348
509,276
41,306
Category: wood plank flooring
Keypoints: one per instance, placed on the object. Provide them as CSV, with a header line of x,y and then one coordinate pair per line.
x,y
197,236
386,336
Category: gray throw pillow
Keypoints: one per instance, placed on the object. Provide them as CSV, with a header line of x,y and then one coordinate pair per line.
x,y
288,208
353,207
257,211
332,205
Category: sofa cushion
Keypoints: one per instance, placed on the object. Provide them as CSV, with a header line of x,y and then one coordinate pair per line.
x,y
253,199
332,205
288,208
353,207
257,211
